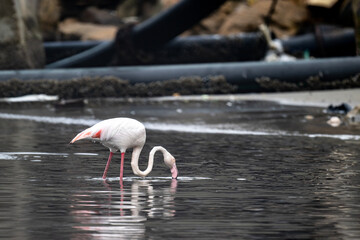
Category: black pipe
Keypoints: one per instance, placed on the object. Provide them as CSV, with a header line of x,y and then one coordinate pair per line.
x,y
56,51
245,75
100,55
200,49
212,48
333,42
160,29
193,49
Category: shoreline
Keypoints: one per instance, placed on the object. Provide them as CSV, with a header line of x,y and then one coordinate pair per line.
x,y
317,98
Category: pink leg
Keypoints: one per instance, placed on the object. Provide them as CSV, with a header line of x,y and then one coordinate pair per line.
x,y
122,167
107,165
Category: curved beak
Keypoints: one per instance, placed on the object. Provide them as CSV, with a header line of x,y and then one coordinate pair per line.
x,y
82,135
174,171
87,133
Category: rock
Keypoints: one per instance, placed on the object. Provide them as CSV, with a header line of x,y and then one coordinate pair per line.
x,y
74,7
334,121
212,24
286,20
87,31
168,3
309,117
141,9
48,15
100,16
353,117
127,8
321,3
20,38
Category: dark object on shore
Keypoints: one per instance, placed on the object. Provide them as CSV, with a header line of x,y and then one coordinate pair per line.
x,y
70,103
343,108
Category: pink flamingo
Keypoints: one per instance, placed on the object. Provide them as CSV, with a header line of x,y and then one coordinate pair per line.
x,y
119,134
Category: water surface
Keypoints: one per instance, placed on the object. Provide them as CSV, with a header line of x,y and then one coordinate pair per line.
x,y
247,170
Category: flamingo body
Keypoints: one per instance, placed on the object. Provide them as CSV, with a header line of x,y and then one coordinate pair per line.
x,y
120,134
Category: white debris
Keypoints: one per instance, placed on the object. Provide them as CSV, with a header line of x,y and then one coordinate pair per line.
x,y
31,98
334,121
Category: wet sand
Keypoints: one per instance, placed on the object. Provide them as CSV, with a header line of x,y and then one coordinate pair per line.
x,y
306,98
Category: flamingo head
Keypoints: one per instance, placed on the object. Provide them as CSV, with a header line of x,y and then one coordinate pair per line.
x,y
87,134
171,163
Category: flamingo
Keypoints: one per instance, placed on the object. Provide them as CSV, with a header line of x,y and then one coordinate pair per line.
x,y
120,134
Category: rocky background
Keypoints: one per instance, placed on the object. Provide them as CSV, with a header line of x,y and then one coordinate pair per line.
x,y
26,24
63,20
99,20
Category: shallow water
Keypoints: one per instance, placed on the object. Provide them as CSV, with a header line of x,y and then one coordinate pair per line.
x,y
247,170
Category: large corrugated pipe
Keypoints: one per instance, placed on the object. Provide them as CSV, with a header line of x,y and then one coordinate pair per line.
x,y
248,76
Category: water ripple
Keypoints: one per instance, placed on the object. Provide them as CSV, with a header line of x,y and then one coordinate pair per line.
x,y
229,129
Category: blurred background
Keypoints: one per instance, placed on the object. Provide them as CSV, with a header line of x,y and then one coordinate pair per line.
x,y
83,35
260,165
27,25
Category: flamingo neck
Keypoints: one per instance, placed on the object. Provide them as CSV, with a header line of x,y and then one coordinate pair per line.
x,y
135,160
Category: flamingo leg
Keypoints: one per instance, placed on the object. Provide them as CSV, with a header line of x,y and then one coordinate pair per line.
x,y
122,166
107,165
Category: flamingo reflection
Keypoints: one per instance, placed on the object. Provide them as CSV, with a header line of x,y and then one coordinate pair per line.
x,y
122,213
